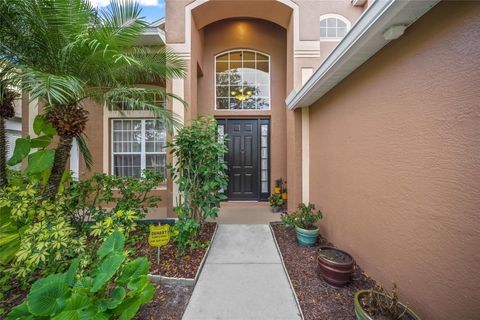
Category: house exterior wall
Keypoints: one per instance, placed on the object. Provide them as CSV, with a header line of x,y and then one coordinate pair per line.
x,y
189,21
258,35
395,163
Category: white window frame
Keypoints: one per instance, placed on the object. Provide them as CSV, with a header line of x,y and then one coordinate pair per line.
x,y
269,80
336,16
143,153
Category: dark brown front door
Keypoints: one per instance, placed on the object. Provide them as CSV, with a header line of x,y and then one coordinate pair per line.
x,y
243,159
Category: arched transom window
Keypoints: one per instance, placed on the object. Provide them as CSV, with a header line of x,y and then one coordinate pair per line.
x,y
333,27
242,80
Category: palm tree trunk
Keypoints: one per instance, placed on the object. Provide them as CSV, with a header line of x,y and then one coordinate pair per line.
x,y
3,154
60,161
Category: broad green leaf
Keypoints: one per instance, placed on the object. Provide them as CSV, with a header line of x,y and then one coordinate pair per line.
x,y
38,124
134,269
106,270
20,312
114,243
22,149
84,283
49,130
129,307
118,295
80,307
72,272
41,125
40,161
138,283
48,295
40,142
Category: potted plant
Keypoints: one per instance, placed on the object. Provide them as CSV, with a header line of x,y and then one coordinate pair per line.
x,y
276,202
335,265
278,186
305,228
288,220
380,304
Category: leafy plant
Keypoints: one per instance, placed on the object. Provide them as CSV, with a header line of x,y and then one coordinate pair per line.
x,y
123,221
275,200
40,236
201,175
40,161
288,219
305,217
16,214
92,200
114,289
199,169
379,302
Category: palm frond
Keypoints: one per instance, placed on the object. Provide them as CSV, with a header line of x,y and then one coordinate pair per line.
x,y
130,99
54,89
86,154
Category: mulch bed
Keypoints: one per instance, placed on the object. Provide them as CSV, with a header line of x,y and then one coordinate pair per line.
x,y
169,266
318,300
169,303
13,297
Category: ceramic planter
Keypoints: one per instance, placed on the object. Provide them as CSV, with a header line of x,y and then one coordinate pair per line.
x,y
277,190
277,209
360,314
336,273
306,237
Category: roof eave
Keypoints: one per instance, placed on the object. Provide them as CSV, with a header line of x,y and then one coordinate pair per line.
x,y
364,40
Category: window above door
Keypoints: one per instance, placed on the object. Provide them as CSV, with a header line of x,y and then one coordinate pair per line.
x,y
333,27
242,80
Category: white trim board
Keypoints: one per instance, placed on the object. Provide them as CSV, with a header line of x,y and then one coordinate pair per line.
x,y
361,42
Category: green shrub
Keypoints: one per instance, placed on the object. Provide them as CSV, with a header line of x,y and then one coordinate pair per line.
x,y
112,202
304,217
199,169
42,237
201,175
114,289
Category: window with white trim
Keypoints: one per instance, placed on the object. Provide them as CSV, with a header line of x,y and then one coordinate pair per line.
x,y
138,144
242,80
333,27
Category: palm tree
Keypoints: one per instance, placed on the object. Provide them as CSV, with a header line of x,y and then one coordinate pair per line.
x,y
71,53
7,110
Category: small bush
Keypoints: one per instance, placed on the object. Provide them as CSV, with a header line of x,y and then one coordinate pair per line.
x,y
112,202
305,217
114,289
201,175
46,239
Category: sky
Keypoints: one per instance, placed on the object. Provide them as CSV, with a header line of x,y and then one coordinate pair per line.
x,y
151,9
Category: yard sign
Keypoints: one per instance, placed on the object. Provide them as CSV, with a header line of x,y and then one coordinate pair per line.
x,y
158,237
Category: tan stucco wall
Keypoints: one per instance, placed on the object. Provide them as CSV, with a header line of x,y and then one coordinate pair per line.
x,y
258,35
395,163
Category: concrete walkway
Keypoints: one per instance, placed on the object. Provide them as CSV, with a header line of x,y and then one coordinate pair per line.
x,y
243,278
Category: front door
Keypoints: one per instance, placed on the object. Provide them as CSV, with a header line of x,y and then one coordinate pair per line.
x,y
248,158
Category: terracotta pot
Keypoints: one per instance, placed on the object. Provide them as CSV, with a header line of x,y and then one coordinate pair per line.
x,y
337,274
361,314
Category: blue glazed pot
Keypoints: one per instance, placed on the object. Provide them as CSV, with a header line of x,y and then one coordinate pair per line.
x,y
306,237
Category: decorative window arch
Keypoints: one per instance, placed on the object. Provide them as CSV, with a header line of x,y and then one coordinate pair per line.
x,y
333,27
242,80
